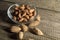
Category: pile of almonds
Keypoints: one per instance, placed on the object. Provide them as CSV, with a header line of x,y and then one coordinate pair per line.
x,y
23,28
23,13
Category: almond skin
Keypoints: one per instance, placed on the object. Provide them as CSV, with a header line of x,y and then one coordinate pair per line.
x,y
22,7
31,10
37,31
27,16
21,35
34,23
14,17
24,28
15,29
21,19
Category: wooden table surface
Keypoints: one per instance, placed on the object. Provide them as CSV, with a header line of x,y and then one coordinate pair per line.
x,y
50,20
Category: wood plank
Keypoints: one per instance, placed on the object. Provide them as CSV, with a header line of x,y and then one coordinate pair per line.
x,y
50,25
47,4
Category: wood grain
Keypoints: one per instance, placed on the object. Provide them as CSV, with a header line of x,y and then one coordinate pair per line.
x,y
50,24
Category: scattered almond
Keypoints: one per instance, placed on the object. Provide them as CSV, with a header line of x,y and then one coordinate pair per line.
x,y
21,35
14,17
34,23
24,27
15,29
37,31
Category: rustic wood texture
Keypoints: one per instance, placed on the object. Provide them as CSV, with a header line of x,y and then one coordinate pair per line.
x,y
47,4
50,20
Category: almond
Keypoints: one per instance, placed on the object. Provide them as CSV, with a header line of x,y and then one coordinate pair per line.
x,y
15,29
37,31
30,14
22,7
25,20
24,27
14,18
17,8
19,15
31,10
21,35
27,16
24,14
34,23
21,19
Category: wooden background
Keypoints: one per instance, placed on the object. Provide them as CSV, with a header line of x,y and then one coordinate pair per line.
x,y
49,10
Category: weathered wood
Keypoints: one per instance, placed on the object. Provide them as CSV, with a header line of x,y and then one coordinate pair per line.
x,y
50,23
47,4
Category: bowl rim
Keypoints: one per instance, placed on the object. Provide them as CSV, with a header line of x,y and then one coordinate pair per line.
x,y
10,16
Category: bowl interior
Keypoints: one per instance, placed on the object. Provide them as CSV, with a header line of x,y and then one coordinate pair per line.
x,y
10,10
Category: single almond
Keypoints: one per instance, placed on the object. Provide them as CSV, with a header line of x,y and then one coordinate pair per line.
x,y
31,18
27,12
24,14
15,29
25,20
37,31
27,16
24,28
28,7
16,12
17,8
22,7
21,35
30,14
31,10
19,15
34,23
14,18
21,19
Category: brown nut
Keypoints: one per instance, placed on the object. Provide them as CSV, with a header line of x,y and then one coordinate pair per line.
x,y
17,8
31,10
27,12
16,12
37,31
34,23
15,29
24,28
28,7
21,19
30,14
27,16
21,35
25,20
24,14
14,18
22,7
19,15
31,18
